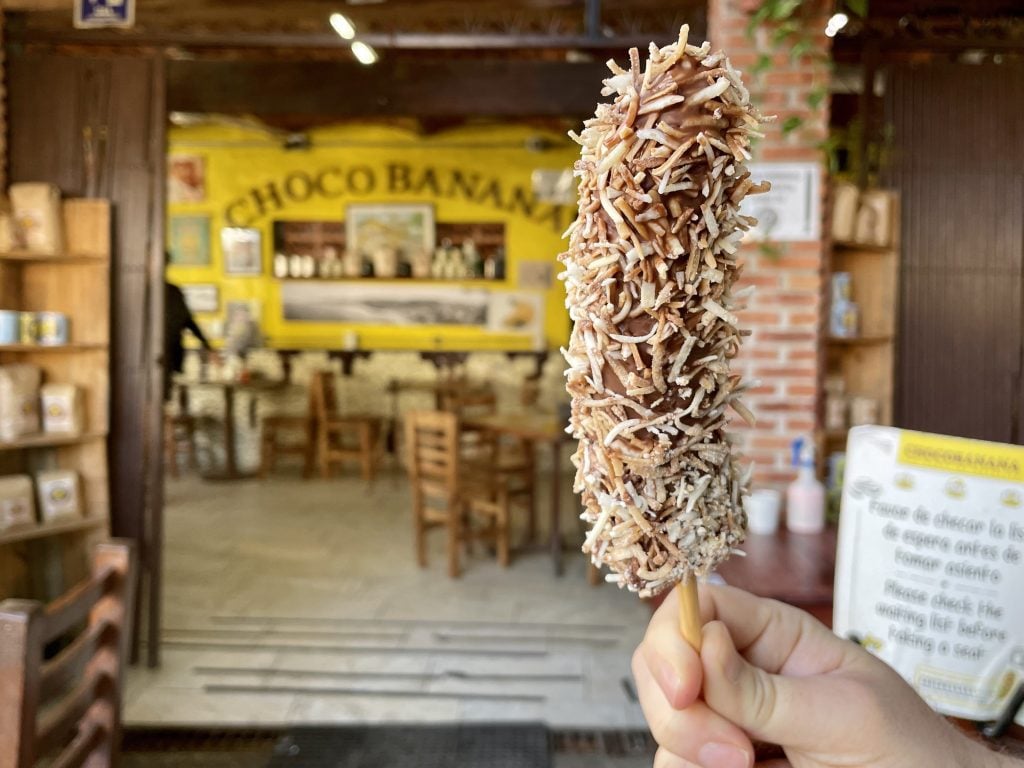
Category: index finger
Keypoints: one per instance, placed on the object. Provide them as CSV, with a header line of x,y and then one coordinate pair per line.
x,y
776,637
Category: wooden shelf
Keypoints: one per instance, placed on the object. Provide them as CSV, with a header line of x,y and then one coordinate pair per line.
x,y
78,347
846,246
858,341
52,440
28,533
53,258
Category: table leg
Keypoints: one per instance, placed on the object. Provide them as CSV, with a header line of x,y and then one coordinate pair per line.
x,y
556,511
529,449
230,460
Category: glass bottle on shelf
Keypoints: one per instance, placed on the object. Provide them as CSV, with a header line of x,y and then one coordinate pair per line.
x,y
404,265
367,268
499,263
280,266
295,266
457,263
440,263
308,266
471,258
329,263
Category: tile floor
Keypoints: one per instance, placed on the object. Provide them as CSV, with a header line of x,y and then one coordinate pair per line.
x,y
256,568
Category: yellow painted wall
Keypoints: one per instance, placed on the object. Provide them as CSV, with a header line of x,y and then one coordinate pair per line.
x,y
239,160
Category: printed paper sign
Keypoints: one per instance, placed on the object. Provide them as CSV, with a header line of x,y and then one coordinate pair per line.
x,y
930,565
104,13
790,211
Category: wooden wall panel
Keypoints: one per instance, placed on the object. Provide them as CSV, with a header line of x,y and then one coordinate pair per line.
x,y
958,163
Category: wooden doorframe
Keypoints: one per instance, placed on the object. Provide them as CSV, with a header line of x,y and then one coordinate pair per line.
x,y
153,524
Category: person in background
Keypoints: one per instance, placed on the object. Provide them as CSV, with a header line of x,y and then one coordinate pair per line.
x,y
770,672
177,319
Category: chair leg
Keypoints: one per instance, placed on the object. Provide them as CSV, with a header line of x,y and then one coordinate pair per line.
x,y
171,452
454,537
309,458
501,529
266,452
366,451
420,533
323,453
193,454
531,495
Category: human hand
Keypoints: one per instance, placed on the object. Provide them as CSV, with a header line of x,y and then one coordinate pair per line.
x,y
772,673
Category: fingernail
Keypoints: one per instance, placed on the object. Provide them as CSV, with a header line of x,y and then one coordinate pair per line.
x,y
715,755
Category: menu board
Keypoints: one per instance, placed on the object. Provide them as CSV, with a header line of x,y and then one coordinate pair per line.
x,y
930,564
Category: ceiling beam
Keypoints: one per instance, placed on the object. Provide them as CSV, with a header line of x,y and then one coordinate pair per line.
x,y
398,40
36,5
345,90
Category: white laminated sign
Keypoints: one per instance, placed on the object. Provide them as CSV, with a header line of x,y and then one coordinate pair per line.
x,y
930,566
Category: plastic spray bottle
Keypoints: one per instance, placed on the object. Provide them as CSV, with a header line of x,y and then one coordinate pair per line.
x,y
805,496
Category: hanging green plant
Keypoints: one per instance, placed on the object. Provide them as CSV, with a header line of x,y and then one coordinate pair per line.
x,y
787,35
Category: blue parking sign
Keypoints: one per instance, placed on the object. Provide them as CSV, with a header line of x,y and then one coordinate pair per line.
x,y
104,13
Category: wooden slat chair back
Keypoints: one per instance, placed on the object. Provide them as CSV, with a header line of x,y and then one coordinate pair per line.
x,y
331,428
444,494
467,403
66,710
514,460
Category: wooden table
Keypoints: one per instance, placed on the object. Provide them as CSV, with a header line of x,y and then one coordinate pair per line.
x,y
534,429
796,568
229,388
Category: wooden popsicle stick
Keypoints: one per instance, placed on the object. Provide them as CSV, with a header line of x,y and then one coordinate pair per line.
x,y
689,612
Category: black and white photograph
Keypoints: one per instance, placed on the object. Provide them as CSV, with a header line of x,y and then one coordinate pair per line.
x,y
383,305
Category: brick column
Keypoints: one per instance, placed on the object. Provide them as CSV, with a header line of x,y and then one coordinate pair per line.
x,y
785,313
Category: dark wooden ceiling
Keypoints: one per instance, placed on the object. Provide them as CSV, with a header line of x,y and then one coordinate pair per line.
x,y
375,17
503,28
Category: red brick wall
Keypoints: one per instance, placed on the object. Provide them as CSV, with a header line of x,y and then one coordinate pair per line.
x,y
785,313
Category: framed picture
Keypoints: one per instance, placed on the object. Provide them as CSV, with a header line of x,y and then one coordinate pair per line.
x,y
186,179
243,254
202,297
190,241
515,312
359,301
399,230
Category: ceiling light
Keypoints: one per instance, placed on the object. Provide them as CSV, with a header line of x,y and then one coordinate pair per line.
x,y
343,26
836,23
364,53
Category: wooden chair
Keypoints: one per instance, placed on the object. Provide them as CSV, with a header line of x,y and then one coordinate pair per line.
x,y
179,432
445,495
514,462
273,442
332,429
66,710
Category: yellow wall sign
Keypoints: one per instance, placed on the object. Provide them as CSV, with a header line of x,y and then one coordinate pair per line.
x,y
961,456
243,177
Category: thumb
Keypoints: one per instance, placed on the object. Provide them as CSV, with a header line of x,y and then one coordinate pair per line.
x,y
764,705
